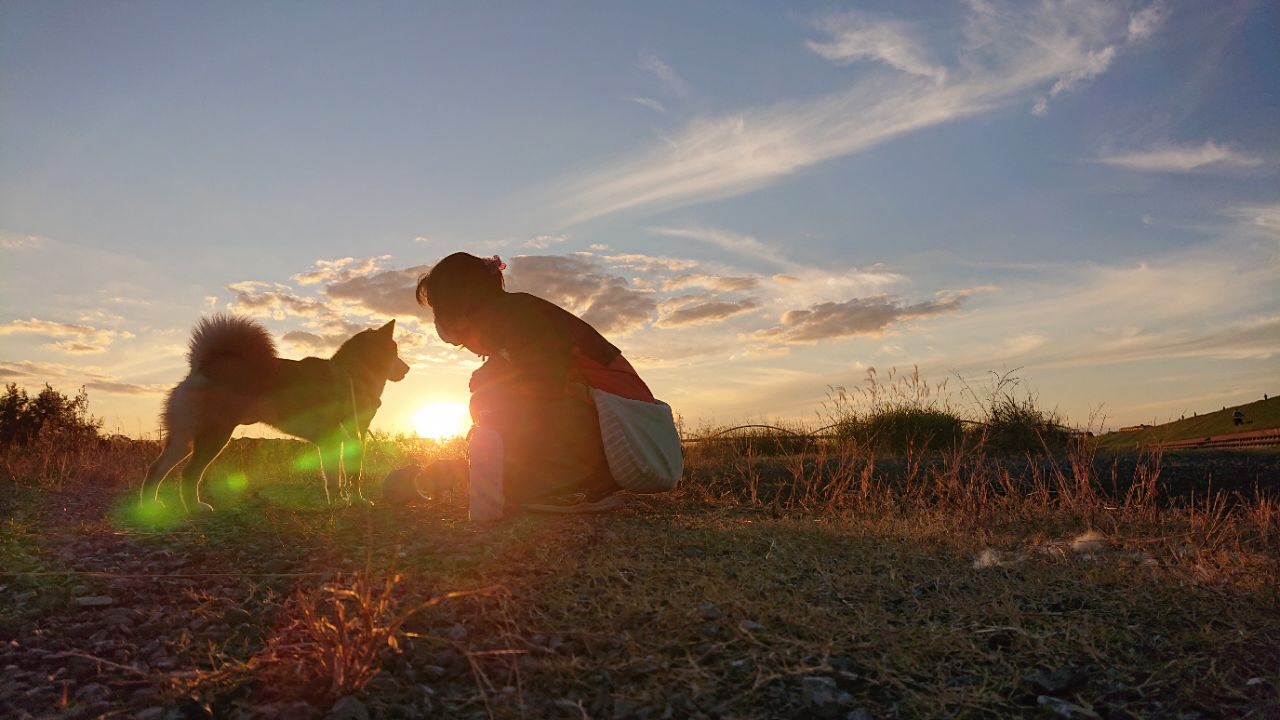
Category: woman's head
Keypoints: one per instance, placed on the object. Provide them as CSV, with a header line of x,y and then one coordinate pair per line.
x,y
455,286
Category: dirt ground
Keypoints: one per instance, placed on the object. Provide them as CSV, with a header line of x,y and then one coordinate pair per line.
x,y
678,606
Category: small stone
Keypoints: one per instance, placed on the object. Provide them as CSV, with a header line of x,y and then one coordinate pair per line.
x,y
1065,709
348,708
94,601
858,714
751,626
1061,681
708,611
1090,541
151,713
91,692
823,697
119,616
458,633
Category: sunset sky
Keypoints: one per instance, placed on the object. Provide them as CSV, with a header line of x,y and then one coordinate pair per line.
x,y
755,201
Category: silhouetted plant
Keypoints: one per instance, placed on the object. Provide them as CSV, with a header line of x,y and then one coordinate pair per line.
x,y
50,416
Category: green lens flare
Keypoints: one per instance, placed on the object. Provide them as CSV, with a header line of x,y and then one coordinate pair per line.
x,y
129,512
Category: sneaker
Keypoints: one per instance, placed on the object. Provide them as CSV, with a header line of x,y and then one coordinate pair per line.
x,y
579,506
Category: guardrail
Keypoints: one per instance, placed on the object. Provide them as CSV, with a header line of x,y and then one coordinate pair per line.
x,y
1256,438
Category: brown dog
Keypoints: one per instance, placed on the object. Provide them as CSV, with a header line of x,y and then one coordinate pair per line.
x,y
236,379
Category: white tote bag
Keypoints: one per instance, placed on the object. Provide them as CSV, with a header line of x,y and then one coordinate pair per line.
x,y
641,444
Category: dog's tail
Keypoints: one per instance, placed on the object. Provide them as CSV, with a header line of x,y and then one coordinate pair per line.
x,y
229,348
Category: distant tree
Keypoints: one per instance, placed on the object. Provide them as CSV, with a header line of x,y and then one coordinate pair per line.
x,y
48,417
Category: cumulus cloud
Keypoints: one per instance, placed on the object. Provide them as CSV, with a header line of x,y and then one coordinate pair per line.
x,y
854,36
71,337
858,316
386,292
1012,52
329,271
1182,158
580,284
274,300
706,312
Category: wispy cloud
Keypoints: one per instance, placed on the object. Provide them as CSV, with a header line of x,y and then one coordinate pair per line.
x,y
715,282
736,243
29,373
13,241
542,242
650,103
855,36
1182,158
1264,218
1144,23
656,66
1012,50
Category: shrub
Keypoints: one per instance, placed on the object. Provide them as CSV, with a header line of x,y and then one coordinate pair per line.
x,y
1013,421
49,416
903,413
904,429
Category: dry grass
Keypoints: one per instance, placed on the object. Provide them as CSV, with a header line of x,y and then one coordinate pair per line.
x,y
943,583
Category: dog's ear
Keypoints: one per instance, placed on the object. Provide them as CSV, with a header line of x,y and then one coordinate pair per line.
x,y
388,328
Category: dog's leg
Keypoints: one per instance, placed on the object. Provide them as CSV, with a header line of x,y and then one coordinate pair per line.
x,y
176,449
354,457
331,470
208,444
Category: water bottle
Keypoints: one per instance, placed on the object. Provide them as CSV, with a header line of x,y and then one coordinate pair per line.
x,y
485,451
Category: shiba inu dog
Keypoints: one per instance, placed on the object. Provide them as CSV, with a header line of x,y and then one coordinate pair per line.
x,y
237,379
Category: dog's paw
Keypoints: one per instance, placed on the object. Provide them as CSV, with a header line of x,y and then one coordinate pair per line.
x,y
155,504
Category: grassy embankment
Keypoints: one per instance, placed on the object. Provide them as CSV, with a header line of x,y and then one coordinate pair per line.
x,y
1259,415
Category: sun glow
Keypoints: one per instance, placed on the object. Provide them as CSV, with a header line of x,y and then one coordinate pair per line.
x,y
440,421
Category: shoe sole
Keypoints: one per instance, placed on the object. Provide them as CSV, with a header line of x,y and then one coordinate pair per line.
x,y
613,502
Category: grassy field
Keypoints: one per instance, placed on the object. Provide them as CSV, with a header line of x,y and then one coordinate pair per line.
x,y
1259,415
816,585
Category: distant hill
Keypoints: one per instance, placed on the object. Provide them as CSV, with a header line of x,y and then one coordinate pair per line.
x,y
1260,415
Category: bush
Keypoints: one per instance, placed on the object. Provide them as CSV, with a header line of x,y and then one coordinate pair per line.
x,y
904,429
900,414
48,417
1013,421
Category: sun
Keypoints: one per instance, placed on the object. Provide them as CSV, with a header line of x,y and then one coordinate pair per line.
x,y
440,421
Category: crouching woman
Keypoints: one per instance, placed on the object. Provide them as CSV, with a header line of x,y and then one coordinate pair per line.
x,y
548,385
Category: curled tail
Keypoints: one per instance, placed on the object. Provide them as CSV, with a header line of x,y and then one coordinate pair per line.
x,y
231,349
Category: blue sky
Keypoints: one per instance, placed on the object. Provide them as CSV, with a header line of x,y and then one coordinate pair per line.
x,y
754,200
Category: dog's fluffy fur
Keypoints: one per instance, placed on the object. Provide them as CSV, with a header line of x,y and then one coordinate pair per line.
x,y
237,379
